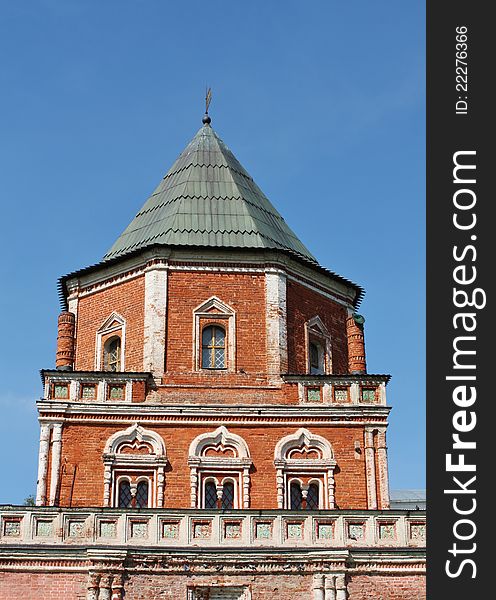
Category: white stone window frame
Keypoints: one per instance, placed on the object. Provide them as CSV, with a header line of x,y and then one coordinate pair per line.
x,y
290,469
225,317
107,329
127,464
212,467
315,329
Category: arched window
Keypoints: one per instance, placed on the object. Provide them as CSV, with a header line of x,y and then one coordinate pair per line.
x,y
316,358
213,347
313,497
305,472
296,496
228,495
142,494
318,347
134,469
220,470
210,494
112,354
125,497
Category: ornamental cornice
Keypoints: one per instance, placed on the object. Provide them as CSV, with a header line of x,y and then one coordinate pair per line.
x,y
221,414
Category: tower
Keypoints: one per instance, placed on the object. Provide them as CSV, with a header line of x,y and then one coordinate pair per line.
x,y
210,429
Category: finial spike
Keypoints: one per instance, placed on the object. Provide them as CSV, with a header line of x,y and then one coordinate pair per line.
x,y
208,98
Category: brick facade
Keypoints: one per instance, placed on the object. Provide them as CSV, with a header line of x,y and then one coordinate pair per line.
x,y
207,401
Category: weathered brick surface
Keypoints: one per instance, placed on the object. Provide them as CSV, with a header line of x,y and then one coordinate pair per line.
x,y
302,305
156,587
244,293
83,445
43,586
127,299
387,587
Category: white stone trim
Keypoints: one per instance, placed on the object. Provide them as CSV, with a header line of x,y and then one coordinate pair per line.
x,y
288,468
154,331
276,320
382,467
41,486
220,437
370,469
225,314
56,460
105,329
154,462
135,432
211,466
315,328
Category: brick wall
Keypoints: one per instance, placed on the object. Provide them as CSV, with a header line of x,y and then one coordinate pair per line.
x,y
127,299
387,587
43,586
286,587
302,305
72,586
83,445
244,293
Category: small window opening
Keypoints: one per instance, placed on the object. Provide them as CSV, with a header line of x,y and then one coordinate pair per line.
x,y
213,348
112,354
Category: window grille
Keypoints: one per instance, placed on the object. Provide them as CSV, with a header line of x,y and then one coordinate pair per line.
x,y
112,354
142,494
125,497
228,495
296,496
210,495
213,347
313,497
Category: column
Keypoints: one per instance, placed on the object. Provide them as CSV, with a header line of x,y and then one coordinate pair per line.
x,y
318,587
370,469
155,319
280,488
93,585
341,591
160,486
56,455
117,587
41,486
193,478
382,467
275,313
105,587
246,487
330,587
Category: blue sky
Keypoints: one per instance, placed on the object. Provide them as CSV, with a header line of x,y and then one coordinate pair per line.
x,y
321,101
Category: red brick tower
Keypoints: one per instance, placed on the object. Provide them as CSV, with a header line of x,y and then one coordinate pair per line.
x,y
210,417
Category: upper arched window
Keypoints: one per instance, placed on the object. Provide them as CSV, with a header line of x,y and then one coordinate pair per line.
x,y
213,347
112,354
142,494
125,497
318,347
296,496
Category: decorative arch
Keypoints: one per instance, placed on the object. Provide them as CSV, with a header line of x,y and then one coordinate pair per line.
x,y
308,457
113,326
215,312
318,347
132,434
222,456
134,454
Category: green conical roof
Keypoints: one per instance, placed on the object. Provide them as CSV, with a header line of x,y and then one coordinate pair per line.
x,y
208,199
